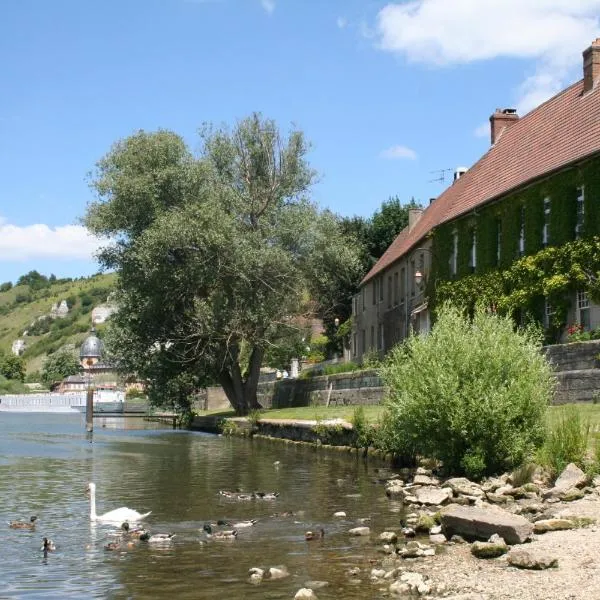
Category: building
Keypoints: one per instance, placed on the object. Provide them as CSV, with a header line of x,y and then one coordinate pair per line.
x,y
95,368
537,186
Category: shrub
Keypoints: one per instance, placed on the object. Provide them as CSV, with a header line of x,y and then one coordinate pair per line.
x,y
566,442
472,393
365,433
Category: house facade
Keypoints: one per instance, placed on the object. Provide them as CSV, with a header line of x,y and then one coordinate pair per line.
x,y
537,187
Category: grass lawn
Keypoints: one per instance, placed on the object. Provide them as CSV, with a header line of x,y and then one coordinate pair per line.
x,y
589,412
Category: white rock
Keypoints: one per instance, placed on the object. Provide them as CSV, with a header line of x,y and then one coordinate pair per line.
x,y
358,531
278,572
305,594
340,514
389,537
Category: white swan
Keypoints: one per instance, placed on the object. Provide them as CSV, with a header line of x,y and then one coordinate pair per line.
x,y
119,515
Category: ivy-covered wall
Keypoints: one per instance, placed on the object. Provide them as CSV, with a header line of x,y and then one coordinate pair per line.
x,y
500,223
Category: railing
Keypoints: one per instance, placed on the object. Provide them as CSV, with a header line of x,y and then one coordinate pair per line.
x,y
39,401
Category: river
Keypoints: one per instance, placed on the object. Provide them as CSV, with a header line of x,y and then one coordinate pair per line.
x,y
46,461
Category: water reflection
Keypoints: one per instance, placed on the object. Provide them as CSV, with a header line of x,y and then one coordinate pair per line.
x,y
46,461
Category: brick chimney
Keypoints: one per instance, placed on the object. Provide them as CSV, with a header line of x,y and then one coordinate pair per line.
x,y
591,66
500,120
414,214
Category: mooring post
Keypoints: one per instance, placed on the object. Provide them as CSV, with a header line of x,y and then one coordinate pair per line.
x,y
89,409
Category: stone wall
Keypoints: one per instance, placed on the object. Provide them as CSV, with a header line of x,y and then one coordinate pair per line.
x,y
577,371
358,387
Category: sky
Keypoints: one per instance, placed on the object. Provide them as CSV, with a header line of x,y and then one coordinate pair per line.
x,y
391,95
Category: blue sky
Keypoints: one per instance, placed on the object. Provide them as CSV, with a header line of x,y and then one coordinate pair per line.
x,y
387,92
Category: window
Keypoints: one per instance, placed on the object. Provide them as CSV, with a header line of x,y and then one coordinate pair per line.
x,y
372,337
396,288
402,284
473,253
374,284
454,255
522,232
363,336
548,313
354,348
389,290
380,337
498,241
580,211
354,301
412,277
364,297
381,280
546,227
583,310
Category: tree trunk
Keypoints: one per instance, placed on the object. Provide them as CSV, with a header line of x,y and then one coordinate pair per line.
x,y
242,393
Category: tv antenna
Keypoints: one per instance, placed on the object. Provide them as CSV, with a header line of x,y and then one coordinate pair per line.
x,y
441,175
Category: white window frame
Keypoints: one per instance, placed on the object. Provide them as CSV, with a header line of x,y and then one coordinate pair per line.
x,y
548,313
583,309
522,233
546,227
380,337
473,253
454,255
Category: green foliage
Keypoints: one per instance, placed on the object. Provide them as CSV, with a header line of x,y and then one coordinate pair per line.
x,y
566,442
133,394
34,280
371,360
523,474
365,433
12,386
58,366
317,352
12,367
472,393
287,343
228,427
33,377
6,286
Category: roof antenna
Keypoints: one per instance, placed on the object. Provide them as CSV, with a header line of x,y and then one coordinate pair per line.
x,y
441,175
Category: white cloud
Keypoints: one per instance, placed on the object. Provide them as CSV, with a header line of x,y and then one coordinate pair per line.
x,y
66,242
341,22
398,152
552,33
268,5
482,130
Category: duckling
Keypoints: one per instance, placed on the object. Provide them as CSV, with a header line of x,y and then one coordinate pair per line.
x,y
230,534
47,545
243,524
314,535
112,546
23,524
266,495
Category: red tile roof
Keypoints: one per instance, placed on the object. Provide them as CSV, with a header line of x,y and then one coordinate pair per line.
x,y
563,130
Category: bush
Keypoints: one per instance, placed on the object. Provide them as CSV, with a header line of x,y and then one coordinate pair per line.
x,y
472,393
365,433
567,441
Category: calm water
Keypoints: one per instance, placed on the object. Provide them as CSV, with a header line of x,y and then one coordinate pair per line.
x,y
46,460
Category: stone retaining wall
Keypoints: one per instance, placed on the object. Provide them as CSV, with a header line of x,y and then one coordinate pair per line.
x,y
342,389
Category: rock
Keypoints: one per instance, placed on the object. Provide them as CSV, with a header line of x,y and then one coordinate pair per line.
x,y
498,498
435,530
571,477
378,574
481,523
389,537
526,559
316,585
437,538
279,572
433,495
461,485
256,574
552,525
408,532
423,471
571,494
340,514
457,539
411,584
394,488
305,594
425,480
491,549
359,531
353,571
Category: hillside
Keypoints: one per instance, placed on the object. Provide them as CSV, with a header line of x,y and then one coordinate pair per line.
x,y
26,308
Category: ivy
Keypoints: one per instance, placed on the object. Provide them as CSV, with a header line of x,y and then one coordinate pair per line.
x,y
518,284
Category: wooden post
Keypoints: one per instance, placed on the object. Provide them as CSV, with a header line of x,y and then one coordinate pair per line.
x,y
89,409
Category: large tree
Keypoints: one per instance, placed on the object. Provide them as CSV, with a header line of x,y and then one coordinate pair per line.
x,y
215,254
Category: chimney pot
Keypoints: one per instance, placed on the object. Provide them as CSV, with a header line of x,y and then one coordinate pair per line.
x,y
500,120
414,214
591,66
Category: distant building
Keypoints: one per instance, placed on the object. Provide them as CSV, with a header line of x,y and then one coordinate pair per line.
x,y
59,311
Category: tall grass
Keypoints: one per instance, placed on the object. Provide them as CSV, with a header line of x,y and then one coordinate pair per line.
x,y
566,442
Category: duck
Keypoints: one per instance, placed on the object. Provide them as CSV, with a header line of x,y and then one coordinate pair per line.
x,y
266,495
230,534
47,545
119,515
314,535
136,532
112,546
243,524
23,524
157,538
